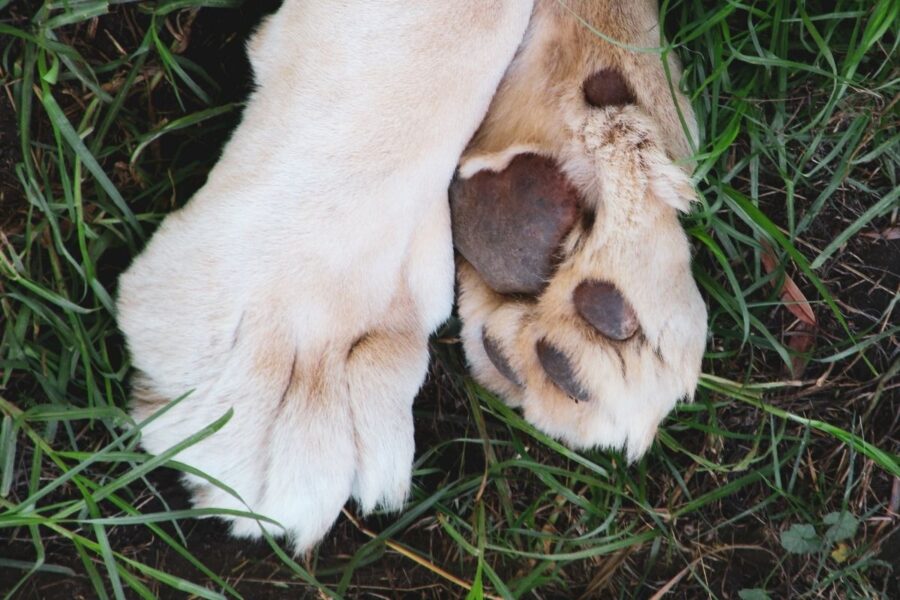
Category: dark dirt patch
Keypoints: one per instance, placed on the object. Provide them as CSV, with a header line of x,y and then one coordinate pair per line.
x,y
11,197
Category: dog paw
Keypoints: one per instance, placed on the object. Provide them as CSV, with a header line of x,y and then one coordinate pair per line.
x,y
576,295
319,365
298,287
314,423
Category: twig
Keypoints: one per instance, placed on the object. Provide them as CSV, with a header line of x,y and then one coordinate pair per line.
x,y
415,557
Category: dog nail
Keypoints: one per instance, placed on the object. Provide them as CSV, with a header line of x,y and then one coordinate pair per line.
x,y
559,370
600,304
498,359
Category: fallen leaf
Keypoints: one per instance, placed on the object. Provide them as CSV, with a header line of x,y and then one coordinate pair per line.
x,y
891,233
793,298
801,341
841,553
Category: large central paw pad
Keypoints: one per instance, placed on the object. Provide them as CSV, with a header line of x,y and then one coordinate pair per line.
x,y
577,300
509,225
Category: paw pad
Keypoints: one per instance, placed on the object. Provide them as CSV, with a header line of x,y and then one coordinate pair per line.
x,y
600,304
508,225
607,87
498,359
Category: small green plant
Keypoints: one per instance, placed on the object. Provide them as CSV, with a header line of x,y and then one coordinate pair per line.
x,y
805,538
829,543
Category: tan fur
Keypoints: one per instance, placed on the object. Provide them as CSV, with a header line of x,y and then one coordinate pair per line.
x,y
298,287
562,49
620,160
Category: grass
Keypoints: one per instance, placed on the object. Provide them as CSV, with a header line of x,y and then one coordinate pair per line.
x,y
780,480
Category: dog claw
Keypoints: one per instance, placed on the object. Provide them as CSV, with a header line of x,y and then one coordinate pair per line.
x,y
559,369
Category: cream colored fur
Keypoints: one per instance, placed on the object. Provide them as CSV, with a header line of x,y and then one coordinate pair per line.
x,y
299,285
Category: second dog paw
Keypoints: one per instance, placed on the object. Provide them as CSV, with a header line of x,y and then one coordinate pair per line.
x,y
576,293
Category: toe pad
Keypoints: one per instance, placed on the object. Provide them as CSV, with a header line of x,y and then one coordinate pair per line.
x,y
600,304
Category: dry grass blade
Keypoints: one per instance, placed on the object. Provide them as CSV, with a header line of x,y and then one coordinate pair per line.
x,y
794,300
889,233
414,556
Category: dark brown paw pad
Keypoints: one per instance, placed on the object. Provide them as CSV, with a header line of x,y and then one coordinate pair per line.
x,y
509,225
559,369
607,87
603,306
498,359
